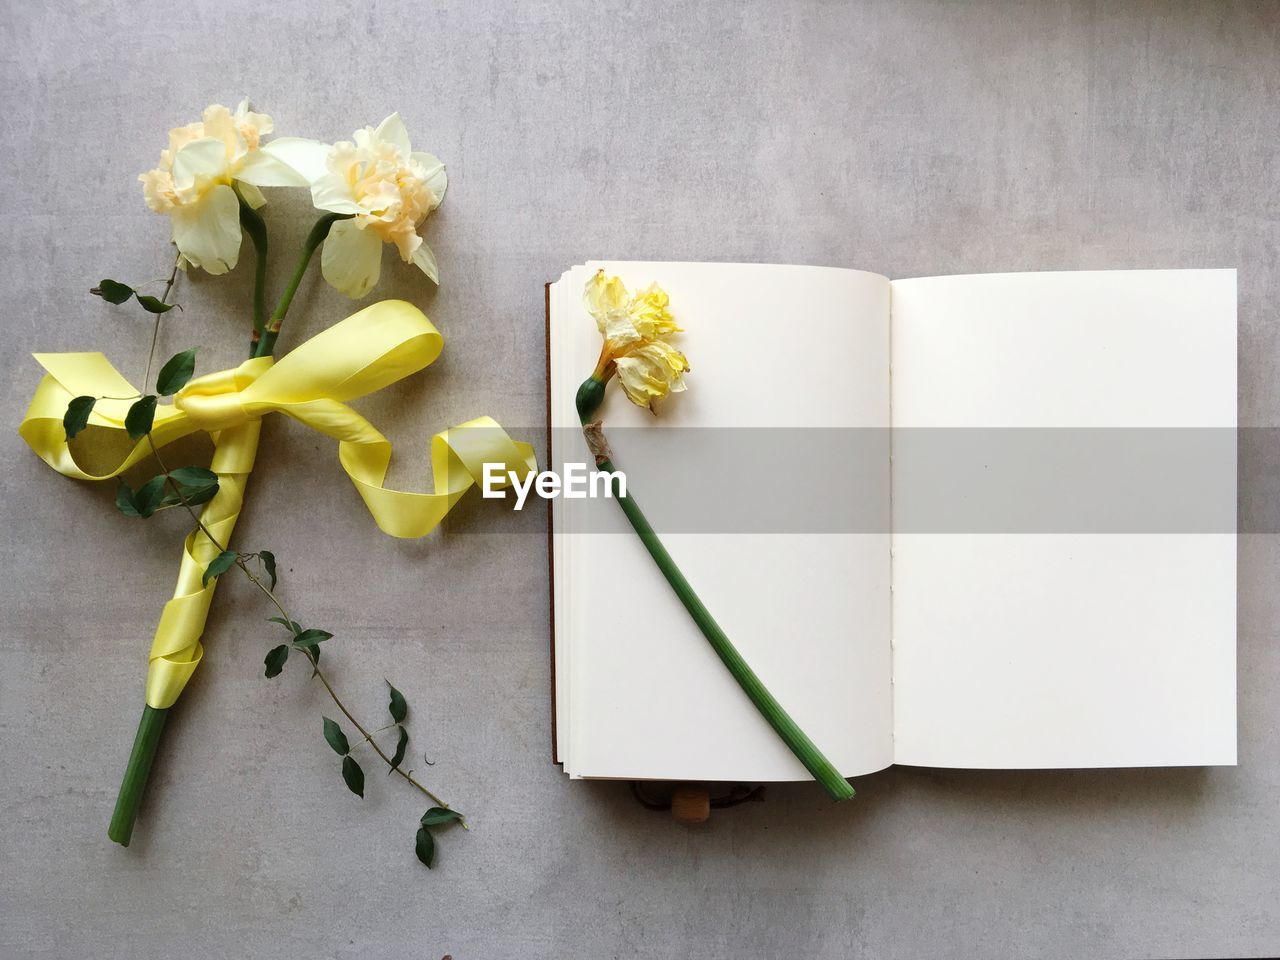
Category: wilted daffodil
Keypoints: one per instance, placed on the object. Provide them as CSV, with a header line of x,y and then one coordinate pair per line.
x,y
383,186
199,174
633,328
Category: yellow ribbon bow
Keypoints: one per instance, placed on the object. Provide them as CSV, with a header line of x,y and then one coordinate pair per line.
x,y
364,353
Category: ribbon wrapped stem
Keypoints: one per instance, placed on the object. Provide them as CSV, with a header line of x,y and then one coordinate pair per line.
x,y
176,650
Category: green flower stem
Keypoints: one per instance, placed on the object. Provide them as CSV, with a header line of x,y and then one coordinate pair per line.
x,y
316,237
135,774
256,228
590,394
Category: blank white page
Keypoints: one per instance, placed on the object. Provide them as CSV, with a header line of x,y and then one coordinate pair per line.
x,y
640,693
1045,643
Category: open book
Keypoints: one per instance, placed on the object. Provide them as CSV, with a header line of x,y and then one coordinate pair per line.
x,y
1040,567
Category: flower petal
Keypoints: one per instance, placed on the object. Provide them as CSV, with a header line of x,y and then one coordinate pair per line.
x,y
618,329
206,157
425,260
434,177
207,232
305,157
263,169
604,294
351,259
392,130
331,192
638,381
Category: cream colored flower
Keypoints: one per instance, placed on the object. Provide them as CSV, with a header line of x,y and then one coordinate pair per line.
x,y
633,328
387,189
198,176
622,317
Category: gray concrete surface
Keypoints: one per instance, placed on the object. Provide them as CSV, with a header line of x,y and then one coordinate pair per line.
x,y
909,138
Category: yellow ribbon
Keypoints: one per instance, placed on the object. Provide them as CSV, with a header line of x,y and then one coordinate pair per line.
x,y
364,353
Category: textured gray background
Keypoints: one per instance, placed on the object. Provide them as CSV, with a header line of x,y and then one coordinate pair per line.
x,y
908,138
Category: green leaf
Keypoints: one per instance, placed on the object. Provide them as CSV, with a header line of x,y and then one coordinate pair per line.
x,y
198,486
154,304
193,476
354,776
77,416
336,738
438,815
289,625
124,500
193,495
113,291
269,565
175,373
219,565
397,707
195,482
401,746
198,496
308,641
140,416
310,638
275,659
425,846
148,497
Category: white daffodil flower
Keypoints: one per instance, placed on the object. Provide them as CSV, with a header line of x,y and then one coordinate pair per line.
x,y
384,186
199,174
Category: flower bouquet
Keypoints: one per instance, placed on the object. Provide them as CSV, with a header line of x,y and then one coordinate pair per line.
x,y
370,191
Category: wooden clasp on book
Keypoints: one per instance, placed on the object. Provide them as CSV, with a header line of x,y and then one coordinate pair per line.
x,y
692,802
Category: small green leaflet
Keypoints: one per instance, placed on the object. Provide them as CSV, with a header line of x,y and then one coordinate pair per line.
x,y
113,291
140,416
269,565
77,416
289,625
398,708
154,304
438,815
425,846
197,484
175,373
144,501
275,659
336,738
193,477
193,497
124,500
219,565
354,776
401,746
310,637
148,497
308,641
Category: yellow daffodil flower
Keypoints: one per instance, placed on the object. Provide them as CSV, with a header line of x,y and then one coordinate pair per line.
x,y
384,186
649,368
198,176
633,327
